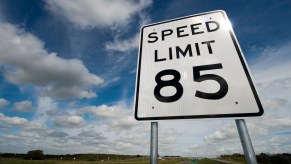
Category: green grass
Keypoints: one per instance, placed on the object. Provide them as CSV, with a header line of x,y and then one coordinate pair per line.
x,y
235,159
130,161
208,161
17,161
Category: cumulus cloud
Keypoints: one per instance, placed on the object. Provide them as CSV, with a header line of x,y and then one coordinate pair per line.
x,y
105,111
40,130
57,134
36,127
258,128
276,140
3,103
96,13
192,148
103,13
62,92
27,62
114,132
23,106
226,133
116,116
278,123
280,84
91,133
69,121
123,123
274,103
13,120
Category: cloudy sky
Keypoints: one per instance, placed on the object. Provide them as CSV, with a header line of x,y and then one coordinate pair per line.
x,y
67,77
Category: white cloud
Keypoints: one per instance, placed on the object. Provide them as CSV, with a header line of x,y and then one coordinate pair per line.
x,y
274,103
36,127
69,121
94,13
123,45
278,123
226,133
27,62
23,106
46,110
123,123
111,80
127,44
3,103
280,139
116,116
46,107
13,120
40,130
105,111
103,13
91,133
271,66
114,132
226,139
62,92
192,148
57,134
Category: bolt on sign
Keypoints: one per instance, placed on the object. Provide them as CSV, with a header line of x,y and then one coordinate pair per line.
x,y
193,67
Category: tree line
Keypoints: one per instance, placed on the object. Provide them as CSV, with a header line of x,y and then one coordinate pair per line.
x,y
266,158
39,155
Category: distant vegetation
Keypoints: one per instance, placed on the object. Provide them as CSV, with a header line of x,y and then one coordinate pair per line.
x,y
35,155
8,158
284,158
32,156
38,155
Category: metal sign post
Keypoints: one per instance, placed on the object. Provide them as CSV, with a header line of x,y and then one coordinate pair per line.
x,y
154,143
246,141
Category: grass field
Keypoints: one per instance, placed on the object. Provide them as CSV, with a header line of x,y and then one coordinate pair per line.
x,y
208,161
131,161
239,160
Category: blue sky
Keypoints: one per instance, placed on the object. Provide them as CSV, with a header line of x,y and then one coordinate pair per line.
x,y
67,77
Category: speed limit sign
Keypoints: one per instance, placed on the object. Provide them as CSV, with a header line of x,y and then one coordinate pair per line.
x,y
192,67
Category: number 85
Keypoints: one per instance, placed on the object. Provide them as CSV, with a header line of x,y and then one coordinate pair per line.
x,y
196,77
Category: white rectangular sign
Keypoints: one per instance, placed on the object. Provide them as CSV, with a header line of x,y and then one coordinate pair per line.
x,y
192,67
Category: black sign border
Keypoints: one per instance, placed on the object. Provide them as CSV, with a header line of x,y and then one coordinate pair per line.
x,y
239,52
